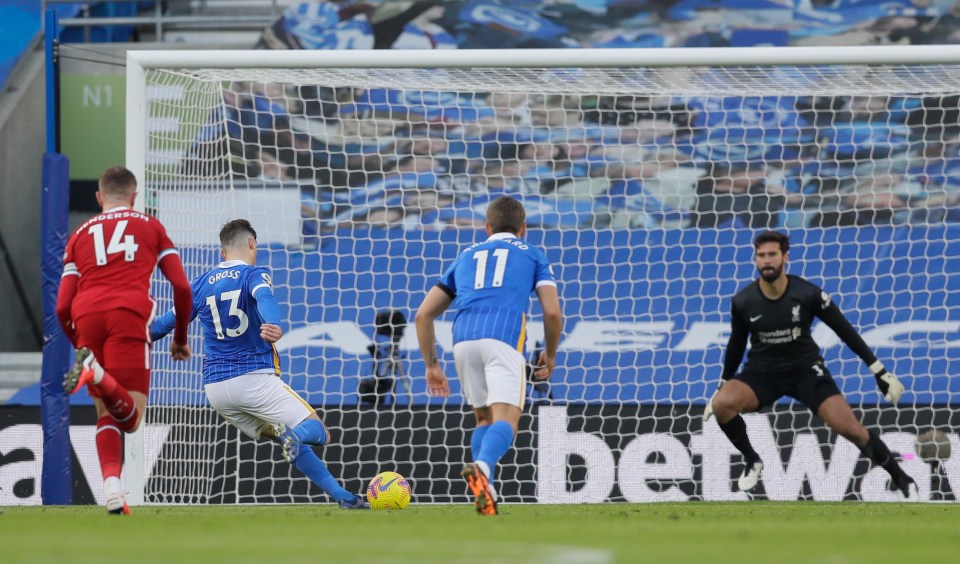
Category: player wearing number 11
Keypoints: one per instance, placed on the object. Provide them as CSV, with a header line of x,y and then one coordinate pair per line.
x,y
490,285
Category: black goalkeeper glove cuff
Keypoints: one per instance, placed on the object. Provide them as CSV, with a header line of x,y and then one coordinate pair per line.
x,y
884,386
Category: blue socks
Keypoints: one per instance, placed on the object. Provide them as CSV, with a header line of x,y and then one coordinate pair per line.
x,y
311,432
310,464
495,442
476,441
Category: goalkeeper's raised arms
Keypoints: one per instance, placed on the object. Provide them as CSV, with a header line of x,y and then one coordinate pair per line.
x,y
889,385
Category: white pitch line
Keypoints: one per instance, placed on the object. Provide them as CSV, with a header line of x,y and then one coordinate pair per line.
x,y
575,555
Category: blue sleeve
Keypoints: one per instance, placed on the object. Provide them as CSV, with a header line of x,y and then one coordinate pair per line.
x,y
162,326
267,306
544,271
448,282
260,286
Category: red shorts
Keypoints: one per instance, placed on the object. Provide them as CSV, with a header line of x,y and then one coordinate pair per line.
x,y
120,341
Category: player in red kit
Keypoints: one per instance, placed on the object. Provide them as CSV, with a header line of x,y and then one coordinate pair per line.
x,y
105,309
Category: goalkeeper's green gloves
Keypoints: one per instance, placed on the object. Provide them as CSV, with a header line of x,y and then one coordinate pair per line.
x,y
890,387
708,411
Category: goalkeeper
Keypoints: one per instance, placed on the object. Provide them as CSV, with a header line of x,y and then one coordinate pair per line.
x,y
776,311
240,318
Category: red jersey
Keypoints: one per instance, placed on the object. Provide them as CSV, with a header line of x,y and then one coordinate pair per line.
x,y
114,255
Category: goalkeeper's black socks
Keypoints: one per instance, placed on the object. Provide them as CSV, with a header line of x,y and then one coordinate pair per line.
x,y
878,453
736,431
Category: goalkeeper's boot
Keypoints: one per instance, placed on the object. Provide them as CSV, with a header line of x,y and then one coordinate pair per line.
x,y
750,476
907,490
117,505
484,496
81,373
289,442
356,503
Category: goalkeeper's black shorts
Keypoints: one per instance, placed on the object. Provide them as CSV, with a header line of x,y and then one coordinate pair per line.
x,y
810,386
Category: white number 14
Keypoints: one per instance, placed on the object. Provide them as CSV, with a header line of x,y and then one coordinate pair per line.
x,y
119,243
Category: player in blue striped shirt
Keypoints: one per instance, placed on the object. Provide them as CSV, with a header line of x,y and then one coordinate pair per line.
x,y
490,285
240,318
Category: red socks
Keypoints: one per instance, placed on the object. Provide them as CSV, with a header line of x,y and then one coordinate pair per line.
x,y
109,447
118,402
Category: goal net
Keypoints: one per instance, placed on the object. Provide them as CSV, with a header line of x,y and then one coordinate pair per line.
x,y
645,175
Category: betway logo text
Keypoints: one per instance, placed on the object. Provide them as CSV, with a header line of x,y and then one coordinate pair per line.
x,y
614,336
635,470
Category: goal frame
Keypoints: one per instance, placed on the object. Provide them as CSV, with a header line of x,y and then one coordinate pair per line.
x,y
139,62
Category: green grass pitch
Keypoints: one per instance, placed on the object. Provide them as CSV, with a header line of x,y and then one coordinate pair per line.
x,y
678,532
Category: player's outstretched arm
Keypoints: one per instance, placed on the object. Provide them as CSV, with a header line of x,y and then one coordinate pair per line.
x,y
162,326
736,347
552,328
434,304
269,311
889,385
172,269
65,295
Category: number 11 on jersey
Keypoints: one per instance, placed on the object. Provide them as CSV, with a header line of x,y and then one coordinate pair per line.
x,y
498,269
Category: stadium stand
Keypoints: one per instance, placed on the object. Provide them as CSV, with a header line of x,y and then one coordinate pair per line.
x,y
785,155
675,165
471,24
833,155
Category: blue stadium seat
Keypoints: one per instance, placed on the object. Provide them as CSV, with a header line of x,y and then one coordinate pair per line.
x,y
759,37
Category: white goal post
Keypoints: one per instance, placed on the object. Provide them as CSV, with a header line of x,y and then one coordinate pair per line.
x,y
645,173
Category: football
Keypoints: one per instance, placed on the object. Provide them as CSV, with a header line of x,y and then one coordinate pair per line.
x,y
933,446
388,490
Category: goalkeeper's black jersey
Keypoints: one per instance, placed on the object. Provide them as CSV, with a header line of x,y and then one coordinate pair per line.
x,y
779,330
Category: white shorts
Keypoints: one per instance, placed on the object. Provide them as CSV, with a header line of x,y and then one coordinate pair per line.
x,y
255,399
491,371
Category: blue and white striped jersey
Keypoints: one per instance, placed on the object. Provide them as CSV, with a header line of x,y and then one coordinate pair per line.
x,y
491,284
232,301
